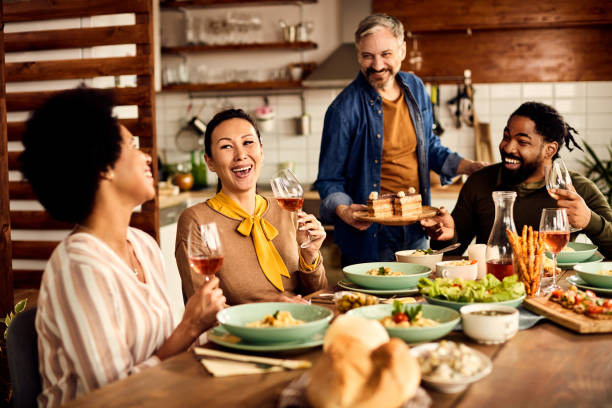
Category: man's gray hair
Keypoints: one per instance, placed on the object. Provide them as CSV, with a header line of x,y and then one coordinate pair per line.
x,y
375,22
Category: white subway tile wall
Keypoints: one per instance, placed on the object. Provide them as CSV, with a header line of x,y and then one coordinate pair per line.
x,y
586,106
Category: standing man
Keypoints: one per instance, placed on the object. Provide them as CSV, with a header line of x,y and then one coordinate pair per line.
x,y
377,136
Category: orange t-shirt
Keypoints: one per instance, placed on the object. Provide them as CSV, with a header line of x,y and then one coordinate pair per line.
x,y
400,167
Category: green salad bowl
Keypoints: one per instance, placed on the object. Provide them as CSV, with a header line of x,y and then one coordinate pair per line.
x,y
236,318
447,318
458,305
590,273
411,274
581,252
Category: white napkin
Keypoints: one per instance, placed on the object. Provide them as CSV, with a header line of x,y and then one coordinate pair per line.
x,y
221,364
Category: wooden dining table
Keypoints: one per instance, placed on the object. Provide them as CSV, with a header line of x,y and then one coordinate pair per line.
x,y
544,366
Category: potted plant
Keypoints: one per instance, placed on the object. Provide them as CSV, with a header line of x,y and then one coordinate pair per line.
x,y
5,385
598,170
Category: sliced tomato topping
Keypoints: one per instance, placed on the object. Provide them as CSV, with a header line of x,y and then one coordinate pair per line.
x,y
400,317
594,309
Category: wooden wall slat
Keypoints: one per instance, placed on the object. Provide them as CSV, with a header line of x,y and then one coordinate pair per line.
x,y
6,274
45,9
13,161
36,220
436,15
41,220
535,55
26,279
75,38
20,190
25,101
33,249
81,68
139,126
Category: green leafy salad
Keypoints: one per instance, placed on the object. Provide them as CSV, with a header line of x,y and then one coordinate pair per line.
x,y
488,289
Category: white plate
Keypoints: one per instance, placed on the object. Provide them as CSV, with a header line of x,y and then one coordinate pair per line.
x,y
348,285
452,386
219,335
576,280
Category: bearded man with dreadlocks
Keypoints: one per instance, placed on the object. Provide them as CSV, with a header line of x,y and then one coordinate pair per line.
x,y
533,136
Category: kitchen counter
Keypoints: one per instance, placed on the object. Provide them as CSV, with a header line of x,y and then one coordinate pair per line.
x,y
449,192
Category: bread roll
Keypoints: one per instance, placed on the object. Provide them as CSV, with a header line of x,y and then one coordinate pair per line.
x,y
370,332
354,373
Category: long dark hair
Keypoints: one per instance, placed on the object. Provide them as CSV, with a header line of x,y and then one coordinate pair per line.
x,y
550,124
220,118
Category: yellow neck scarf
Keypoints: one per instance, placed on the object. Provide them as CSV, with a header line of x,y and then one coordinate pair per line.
x,y
260,230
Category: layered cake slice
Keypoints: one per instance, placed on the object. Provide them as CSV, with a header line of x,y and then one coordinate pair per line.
x,y
400,204
407,205
380,206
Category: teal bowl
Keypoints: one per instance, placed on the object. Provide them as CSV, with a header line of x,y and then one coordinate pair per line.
x,y
447,318
581,252
412,273
235,319
458,305
589,272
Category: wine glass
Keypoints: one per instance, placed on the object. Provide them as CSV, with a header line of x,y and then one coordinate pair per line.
x,y
289,193
557,176
204,249
554,230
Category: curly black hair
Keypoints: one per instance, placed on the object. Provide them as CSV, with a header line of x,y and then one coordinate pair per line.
x,y
550,124
68,143
220,118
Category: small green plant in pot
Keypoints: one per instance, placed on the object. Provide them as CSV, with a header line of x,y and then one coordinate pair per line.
x,y
599,170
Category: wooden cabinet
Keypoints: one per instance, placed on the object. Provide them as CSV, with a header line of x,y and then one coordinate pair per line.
x,y
503,41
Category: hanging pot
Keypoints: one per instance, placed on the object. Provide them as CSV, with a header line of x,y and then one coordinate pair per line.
x,y
190,136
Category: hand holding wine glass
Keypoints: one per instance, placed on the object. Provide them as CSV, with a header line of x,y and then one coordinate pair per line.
x,y
554,230
289,193
204,249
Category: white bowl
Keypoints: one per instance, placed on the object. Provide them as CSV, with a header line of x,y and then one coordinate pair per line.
x,y
448,269
455,385
487,328
409,256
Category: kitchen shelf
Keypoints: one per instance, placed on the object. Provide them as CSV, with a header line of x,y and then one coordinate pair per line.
x,y
284,45
233,86
225,3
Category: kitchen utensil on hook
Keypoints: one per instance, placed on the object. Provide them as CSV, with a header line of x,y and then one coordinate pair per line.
x,y
435,102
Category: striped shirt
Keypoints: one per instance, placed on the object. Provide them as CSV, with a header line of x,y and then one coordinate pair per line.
x,y
96,322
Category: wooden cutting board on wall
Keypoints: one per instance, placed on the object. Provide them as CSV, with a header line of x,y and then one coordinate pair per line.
x,y
567,318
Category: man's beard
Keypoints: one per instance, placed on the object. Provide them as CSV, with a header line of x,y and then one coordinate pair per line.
x,y
514,177
379,84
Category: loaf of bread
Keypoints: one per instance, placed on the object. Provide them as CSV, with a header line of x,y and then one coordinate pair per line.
x,y
353,373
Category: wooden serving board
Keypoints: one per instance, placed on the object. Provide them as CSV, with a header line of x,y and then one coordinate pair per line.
x,y
565,317
426,212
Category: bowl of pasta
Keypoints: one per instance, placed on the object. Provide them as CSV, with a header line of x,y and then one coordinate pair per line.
x,y
274,322
575,252
386,275
413,323
598,274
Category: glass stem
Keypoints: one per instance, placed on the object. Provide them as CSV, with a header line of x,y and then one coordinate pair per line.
x,y
554,281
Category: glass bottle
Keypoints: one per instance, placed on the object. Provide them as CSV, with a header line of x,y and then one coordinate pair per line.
x,y
499,250
198,169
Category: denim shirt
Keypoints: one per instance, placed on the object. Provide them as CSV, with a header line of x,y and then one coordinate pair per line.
x,y
350,162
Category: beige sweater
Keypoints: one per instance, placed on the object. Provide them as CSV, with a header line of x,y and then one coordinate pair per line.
x,y
241,277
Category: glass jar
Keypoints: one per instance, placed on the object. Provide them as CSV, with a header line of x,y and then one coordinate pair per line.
x,y
499,250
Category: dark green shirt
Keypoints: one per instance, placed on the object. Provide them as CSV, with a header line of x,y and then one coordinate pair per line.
x,y
474,212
